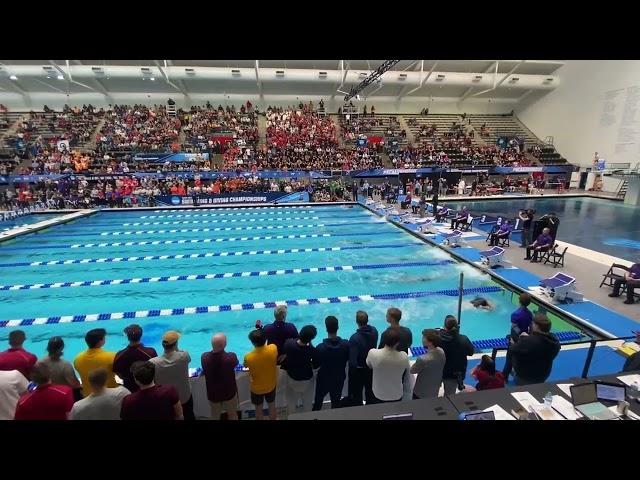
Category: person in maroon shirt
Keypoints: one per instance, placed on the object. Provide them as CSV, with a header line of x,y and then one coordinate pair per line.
x,y
135,352
485,373
151,402
16,357
47,401
219,372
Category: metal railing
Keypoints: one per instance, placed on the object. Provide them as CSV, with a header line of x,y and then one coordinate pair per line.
x,y
592,348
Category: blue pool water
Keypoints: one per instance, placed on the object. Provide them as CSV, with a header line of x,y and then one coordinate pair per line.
x,y
380,259
25,220
606,226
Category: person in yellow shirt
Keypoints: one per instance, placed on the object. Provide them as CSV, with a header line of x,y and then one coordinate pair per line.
x,y
95,357
263,373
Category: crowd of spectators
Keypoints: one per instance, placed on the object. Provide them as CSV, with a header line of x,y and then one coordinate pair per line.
x,y
139,383
138,128
201,123
301,127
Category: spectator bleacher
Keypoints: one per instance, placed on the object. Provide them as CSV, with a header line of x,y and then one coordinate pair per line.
x,y
506,125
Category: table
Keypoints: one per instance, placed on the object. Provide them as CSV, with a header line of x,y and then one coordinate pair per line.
x,y
472,401
429,409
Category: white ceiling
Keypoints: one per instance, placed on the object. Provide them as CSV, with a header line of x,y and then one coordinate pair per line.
x,y
220,86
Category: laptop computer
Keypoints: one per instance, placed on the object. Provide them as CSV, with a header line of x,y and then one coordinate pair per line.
x,y
586,399
482,415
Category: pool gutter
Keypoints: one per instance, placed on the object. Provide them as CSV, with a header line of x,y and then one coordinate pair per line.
x,y
591,330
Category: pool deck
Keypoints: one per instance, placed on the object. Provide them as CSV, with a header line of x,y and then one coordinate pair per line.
x,y
610,317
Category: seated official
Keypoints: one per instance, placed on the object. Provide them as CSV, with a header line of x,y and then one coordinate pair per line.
x,y
503,232
543,243
442,213
406,202
631,280
461,218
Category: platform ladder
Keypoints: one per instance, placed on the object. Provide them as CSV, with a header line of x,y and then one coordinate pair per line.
x,y
622,191
171,110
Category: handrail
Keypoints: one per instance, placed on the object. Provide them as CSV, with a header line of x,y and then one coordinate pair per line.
x,y
592,347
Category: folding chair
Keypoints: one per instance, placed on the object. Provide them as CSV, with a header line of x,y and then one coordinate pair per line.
x,y
557,259
544,256
611,276
466,227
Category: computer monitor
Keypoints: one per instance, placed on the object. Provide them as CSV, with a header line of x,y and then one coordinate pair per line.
x,y
612,392
583,394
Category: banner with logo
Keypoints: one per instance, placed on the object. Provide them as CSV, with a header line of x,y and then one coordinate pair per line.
x,y
259,197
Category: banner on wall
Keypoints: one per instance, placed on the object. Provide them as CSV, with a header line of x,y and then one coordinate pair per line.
x,y
168,157
259,197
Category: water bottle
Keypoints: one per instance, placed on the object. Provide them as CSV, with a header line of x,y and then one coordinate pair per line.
x,y
548,399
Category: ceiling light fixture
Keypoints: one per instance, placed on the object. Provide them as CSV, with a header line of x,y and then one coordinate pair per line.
x,y
13,77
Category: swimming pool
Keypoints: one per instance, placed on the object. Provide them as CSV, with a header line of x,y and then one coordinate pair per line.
x,y
25,220
606,226
202,271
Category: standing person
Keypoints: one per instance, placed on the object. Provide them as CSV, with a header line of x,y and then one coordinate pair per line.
x,y
434,201
172,368
134,352
406,337
533,354
95,357
521,320
16,357
360,376
47,401
456,348
332,356
151,401
219,369
486,375
263,373
12,386
61,371
527,219
299,364
280,330
104,403
429,366
631,280
390,367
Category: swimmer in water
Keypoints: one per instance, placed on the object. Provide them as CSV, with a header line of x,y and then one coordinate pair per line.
x,y
482,303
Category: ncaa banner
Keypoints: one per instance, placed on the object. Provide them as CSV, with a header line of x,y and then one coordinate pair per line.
x,y
224,198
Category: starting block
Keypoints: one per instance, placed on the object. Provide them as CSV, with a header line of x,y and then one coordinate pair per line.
x,y
493,257
453,239
561,287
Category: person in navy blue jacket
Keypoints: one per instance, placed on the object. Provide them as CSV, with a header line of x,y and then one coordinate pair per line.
x,y
331,357
360,375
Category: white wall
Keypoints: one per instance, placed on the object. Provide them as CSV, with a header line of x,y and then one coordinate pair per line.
x,y
37,100
579,117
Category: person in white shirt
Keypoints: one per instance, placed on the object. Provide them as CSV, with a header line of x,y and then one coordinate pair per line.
x,y
172,368
103,403
390,368
12,385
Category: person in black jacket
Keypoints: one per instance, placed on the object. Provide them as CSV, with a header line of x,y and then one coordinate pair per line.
x,y
360,375
299,363
532,355
456,349
332,356
633,362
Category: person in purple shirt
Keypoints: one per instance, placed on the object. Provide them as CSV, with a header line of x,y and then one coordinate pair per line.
x,y
521,320
461,218
631,280
220,376
543,243
503,232
280,331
